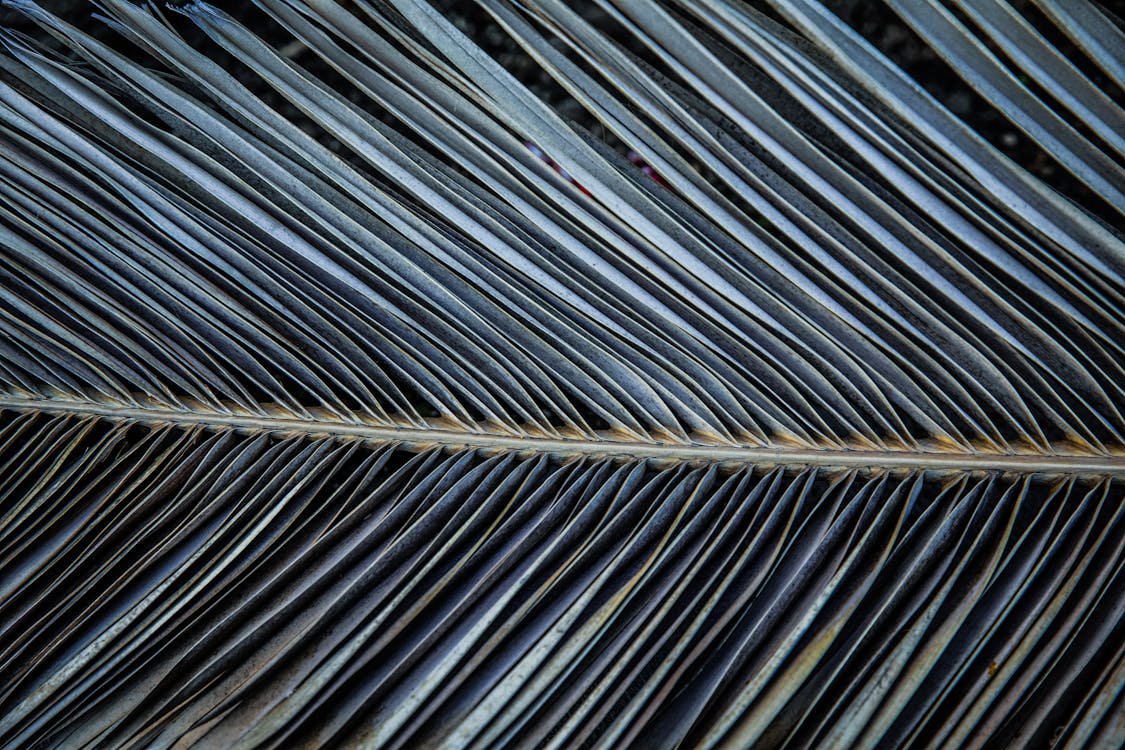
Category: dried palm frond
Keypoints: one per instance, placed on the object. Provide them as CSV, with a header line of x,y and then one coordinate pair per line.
x,y
355,393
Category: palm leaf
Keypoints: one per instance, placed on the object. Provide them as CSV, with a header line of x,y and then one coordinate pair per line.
x,y
356,394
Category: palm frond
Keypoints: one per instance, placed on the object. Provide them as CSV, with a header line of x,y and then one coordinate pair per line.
x,y
356,393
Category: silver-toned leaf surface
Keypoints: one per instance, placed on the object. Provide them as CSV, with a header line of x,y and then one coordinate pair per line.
x,y
353,393
233,591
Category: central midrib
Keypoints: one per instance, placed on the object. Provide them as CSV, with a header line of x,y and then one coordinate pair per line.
x,y
741,454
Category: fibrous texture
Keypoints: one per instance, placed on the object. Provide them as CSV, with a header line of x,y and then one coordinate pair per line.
x,y
682,375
